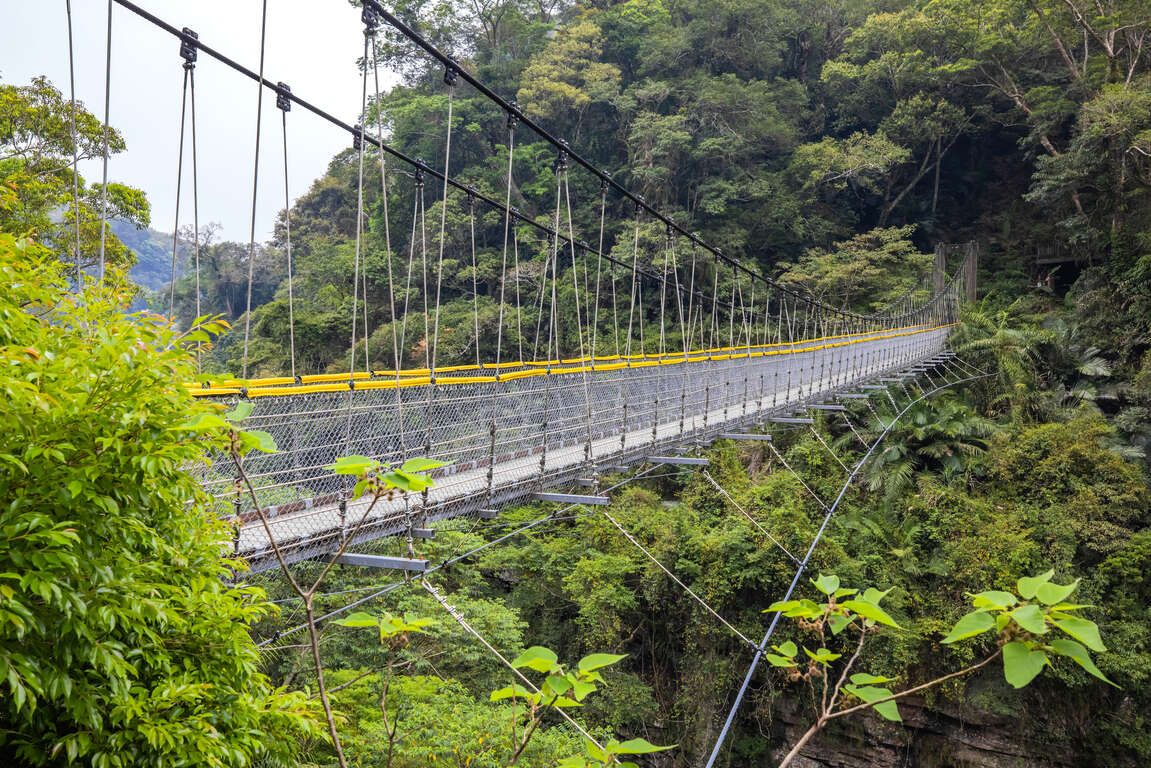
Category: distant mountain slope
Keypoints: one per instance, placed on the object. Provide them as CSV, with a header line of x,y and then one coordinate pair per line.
x,y
153,251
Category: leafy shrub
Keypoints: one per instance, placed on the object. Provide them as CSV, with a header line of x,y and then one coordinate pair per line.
x,y
121,643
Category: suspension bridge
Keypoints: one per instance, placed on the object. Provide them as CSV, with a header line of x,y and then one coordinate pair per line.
x,y
602,364
518,434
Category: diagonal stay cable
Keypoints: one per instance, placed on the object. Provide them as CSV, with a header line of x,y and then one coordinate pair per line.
x,y
742,511
787,466
854,431
674,578
459,617
455,558
828,447
803,566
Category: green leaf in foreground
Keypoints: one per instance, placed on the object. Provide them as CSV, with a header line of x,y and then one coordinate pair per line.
x,y
421,465
862,678
826,584
869,693
1086,632
352,465
635,747
242,411
599,661
1052,594
999,601
538,658
258,440
974,623
1079,655
1031,618
516,691
205,422
1028,586
1021,664
870,611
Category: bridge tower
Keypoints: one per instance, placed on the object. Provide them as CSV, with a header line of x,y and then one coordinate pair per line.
x,y
968,253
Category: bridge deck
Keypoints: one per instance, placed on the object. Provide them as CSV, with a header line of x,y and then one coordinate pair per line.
x,y
505,441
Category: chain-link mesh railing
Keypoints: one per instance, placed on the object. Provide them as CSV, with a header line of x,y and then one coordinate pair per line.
x,y
505,440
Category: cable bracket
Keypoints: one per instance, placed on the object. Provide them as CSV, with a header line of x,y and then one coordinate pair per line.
x,y
283,97
370,18
189,42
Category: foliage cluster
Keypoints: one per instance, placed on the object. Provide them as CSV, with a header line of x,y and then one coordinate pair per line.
x,y
122,641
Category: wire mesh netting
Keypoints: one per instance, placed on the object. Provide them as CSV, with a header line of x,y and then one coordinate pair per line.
x,y
505,440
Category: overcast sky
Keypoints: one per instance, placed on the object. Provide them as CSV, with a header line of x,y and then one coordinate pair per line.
x,y
312,45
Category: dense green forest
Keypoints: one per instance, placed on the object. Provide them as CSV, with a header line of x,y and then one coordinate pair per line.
x,y
832,143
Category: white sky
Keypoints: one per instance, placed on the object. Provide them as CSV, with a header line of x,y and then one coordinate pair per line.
x,y
312,45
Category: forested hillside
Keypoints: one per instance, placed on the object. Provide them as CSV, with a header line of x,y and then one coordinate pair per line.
x,y
780,131
830,143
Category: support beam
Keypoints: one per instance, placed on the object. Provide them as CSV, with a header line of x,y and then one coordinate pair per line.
x,y
489,514
423,533
853,396
873,386
382,561
684,460
586,482
822,407
790,420
744,436
571,498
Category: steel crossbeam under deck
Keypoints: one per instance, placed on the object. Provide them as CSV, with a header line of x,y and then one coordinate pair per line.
x,y
659,424
572,498
684,460
382,561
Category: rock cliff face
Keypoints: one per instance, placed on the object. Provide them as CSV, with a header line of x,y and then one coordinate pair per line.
x,y
943,735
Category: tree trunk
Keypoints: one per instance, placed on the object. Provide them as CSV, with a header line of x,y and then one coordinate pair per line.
x,y
938,164
315,641
889,207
